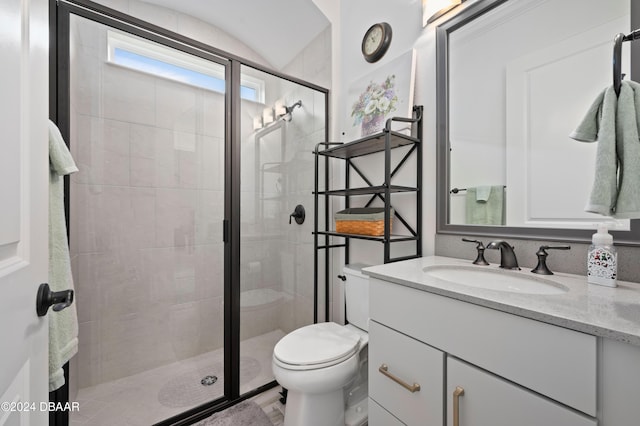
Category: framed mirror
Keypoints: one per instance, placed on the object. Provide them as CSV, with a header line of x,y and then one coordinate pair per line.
x,y
514,79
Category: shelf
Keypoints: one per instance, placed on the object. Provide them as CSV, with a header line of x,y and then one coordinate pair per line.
x,y
369,190
369,145
393,238
383,168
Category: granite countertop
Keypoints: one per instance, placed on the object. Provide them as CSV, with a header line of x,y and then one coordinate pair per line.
x,y
613,313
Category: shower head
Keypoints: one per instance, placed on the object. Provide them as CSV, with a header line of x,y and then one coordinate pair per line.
x,y
287,116
291,108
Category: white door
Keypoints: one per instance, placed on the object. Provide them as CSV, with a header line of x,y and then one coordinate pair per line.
x,y
24,174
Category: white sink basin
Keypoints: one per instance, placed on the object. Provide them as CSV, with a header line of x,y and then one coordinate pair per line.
x,y
495,279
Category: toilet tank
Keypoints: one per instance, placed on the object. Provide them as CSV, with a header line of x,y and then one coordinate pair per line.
x,y
357,295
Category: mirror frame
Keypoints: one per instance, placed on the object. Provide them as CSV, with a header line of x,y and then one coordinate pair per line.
x,y
468,14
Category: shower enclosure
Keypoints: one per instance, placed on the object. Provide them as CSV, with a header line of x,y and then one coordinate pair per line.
x,y
186,267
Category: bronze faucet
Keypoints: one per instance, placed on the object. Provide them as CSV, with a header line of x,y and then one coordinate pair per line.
x,y
507,255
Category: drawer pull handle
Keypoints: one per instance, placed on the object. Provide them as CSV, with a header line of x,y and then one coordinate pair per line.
x,y
384,369
456,405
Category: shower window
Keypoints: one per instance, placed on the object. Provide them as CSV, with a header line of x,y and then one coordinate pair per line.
x,y
161,61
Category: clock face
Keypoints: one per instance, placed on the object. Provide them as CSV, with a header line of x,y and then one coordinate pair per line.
x,y
376,41
373,40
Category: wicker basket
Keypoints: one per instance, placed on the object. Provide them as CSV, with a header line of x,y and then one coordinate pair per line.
x,y
362,221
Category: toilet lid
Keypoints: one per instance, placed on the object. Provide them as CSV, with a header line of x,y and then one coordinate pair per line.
x,y
325,343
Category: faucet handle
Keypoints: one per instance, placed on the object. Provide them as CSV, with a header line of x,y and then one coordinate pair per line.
x,y
541,268
480,260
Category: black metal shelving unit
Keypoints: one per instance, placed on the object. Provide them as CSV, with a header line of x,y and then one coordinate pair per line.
x,y
384,141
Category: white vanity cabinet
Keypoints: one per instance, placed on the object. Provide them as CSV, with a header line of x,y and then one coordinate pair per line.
x,y
513,370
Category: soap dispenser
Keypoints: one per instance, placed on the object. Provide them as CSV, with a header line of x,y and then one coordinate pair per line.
x,y
602,260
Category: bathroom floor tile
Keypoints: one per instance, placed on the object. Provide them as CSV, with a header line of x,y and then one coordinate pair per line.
x,y
155,395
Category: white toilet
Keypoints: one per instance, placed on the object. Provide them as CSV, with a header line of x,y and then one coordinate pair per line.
x,y
324,366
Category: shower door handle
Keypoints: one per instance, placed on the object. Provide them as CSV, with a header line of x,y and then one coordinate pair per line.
x,y
47,298
225,231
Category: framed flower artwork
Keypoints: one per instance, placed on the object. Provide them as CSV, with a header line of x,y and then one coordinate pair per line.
x,y
379,95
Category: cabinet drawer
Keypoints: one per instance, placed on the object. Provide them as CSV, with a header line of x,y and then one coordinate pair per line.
x,y
410,361
489,400
378,416
551,360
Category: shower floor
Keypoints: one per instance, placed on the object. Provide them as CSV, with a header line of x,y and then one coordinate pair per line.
x,y
155,395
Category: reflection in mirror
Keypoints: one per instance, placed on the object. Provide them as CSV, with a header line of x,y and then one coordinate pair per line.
x,y
520,77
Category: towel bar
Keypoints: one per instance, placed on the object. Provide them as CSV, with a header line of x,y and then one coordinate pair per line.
x,y
456,190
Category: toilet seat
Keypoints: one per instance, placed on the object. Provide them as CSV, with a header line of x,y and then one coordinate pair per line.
x,y
316,346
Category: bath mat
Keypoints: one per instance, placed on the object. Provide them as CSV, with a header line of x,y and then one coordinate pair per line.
x,y
246,413
187,390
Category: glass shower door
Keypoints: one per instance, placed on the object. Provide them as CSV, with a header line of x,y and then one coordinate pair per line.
x,y
279,130
147,130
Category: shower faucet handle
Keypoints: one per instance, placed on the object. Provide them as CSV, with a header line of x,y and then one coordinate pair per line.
x,y
298,214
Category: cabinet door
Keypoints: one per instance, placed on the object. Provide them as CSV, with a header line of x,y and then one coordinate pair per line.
x,y
485,399
394,358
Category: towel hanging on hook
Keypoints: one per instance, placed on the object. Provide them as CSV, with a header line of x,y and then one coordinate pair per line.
x,y
617,57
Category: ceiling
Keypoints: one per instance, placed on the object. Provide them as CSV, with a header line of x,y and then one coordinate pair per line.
x,y
276,29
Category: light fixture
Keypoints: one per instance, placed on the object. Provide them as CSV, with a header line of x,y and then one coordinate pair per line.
x,y
280,111
434,9
267,116
280,108
257,123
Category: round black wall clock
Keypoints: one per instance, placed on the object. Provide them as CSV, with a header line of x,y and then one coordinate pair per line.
x,y
376,41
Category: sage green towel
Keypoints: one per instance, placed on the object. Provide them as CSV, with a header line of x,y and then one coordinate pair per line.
x,y
489,212
613,122
63,325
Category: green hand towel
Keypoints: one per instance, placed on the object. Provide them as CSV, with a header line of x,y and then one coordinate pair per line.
x,y
489,212
612,121
63,325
